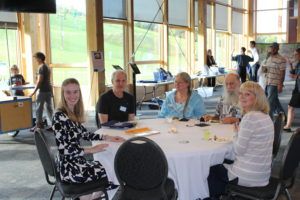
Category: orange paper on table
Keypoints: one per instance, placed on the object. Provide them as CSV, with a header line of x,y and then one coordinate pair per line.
x,y
137,130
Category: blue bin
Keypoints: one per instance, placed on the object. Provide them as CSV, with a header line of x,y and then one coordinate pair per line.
x,y
221,70
156,76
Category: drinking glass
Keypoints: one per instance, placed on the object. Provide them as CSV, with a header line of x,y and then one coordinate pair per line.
x,y
206,134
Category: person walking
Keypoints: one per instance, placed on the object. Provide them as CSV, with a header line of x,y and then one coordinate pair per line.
x,y
242,62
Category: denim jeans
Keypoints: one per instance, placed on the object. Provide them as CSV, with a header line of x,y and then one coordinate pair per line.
x,y
254,70
272,95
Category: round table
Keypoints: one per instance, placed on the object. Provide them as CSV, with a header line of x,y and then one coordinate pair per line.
x,y
189,155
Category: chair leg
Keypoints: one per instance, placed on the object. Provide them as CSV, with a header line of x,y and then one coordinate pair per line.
x,y
52,192
288,195
105,195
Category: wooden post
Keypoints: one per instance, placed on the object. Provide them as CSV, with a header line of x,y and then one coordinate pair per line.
x,y
191,49
251,21
202,33
298,23
34,40
95,42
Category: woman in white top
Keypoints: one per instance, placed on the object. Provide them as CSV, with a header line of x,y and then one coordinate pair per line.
x,y
252,146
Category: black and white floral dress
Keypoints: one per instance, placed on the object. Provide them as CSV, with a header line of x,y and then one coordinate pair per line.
x,y
72,166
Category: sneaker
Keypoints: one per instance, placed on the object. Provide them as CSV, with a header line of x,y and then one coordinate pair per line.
x,y
287,129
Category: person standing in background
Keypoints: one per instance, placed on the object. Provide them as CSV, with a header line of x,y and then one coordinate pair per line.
x,y
242,62
275,72
45,89
16,79
210,61
255,64
295,100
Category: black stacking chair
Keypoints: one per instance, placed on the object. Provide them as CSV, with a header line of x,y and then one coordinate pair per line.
x,y
277,185
67,190
278,127
142,169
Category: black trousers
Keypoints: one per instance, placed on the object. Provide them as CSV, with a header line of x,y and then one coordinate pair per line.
x,y
211,82
242,71
218,181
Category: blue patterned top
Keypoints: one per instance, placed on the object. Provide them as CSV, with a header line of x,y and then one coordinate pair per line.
x,y
194,109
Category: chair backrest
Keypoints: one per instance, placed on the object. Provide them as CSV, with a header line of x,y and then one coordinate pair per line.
x,y
44,152
278,126
291,157
141,164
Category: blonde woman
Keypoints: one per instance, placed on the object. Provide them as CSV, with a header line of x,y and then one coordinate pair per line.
x,y
68,129
183,102
252,147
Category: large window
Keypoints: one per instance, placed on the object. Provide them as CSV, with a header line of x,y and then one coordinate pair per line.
x,y
209,38
146,41
277,24
113,48
147,71
5,50
273,30
69,45
222,54
237,43
8,46
178,12
271,38
221,17
68,32
178,60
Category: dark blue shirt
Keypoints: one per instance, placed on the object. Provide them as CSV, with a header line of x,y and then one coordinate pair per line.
x,y
242,60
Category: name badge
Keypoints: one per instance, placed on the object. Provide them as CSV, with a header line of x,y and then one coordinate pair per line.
x,y
123,109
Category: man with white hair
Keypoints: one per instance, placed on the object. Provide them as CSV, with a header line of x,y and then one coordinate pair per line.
x,y
227,109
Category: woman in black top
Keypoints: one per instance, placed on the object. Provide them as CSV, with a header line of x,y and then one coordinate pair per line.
x,y
210,61
116,104
295,100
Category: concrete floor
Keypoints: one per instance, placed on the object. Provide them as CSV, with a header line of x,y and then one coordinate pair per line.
x,y
22,176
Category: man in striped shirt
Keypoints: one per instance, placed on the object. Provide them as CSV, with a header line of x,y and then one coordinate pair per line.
x,y
275,72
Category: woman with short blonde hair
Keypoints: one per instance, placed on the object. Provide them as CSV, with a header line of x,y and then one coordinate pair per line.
x,y
252,147
261,103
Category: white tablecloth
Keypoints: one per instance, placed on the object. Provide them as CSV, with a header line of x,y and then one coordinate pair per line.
x,y
189,156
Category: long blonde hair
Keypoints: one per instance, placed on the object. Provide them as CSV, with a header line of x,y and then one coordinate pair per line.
x,y
78,114
261,102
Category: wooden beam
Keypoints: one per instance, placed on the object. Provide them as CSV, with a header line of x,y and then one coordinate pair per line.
x,y
30,44
165,38
129,43
202,33
95,42
298,23
191,41
251,22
